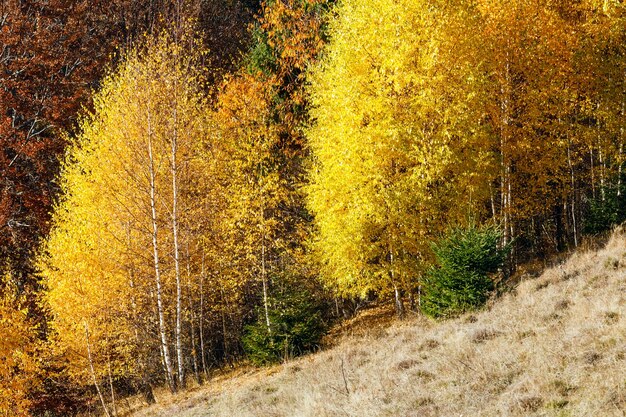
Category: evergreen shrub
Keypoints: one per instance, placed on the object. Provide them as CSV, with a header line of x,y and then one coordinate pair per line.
x,y
296,326
461,280
606,210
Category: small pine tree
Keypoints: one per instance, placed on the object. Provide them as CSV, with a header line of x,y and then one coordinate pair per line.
x,y
608,210
461,281
296,325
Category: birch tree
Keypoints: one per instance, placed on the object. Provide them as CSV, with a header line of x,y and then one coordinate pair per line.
x,y
122,182
395,146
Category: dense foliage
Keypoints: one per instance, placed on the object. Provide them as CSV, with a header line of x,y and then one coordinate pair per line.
x,y
462,279
427,112
240,163
18,365
607,209
296,325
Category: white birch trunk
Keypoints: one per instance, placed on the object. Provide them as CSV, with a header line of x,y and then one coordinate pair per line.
x,y
179,348
504,177
202,356
223,316
93,372
264,280
600,159
192,333
113,405
157,270
593,176
572,184
621,148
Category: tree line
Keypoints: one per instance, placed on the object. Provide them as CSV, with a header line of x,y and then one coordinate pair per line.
x,y
208,211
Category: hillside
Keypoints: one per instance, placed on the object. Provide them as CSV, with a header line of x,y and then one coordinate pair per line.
x,y
554,346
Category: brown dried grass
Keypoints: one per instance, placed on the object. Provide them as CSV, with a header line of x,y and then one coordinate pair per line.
x,y
556,346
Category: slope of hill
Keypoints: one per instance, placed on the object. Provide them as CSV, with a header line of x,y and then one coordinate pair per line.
x,y
554,346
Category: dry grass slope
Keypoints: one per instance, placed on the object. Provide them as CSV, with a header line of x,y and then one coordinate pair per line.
x,y
554,346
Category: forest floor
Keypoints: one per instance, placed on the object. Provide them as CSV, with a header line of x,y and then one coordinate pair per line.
x,y
555,345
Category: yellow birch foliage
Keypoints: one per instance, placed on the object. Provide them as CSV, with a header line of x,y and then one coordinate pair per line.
x,y
98,264
17,359
254,232
553,100
395,145
601,70
258,127
527,49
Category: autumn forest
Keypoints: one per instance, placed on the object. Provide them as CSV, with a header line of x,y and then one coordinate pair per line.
x,y
186,185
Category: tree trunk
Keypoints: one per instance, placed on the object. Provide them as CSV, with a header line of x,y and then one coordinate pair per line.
x,y
593,176
619,167
573,191
265,295
602,162
396,290
157,269
201,319
558,221
504,124
493,202
398,301
145,388
223,317
419,297
194,351
620,162
174,168
600,157
93,372
113,405
509,201
263,255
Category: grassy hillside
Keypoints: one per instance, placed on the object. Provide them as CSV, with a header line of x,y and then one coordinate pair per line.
x,y
554,346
